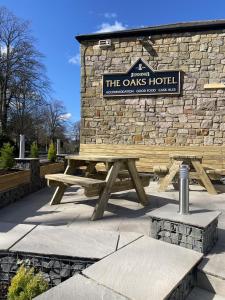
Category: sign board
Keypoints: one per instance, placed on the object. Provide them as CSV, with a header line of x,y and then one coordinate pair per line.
x,y
141,79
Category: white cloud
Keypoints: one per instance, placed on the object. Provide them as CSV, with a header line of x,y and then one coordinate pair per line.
x,y
75,60
106,27
108,15
65,116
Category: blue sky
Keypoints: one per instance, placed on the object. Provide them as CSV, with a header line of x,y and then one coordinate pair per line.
x,y
54,24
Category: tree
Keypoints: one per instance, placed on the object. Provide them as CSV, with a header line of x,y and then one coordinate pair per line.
x,y
52,153
22,75
7,156
34,150
56,119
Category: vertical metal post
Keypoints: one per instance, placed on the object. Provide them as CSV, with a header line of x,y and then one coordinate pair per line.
x,y
58,147
184,190
22,146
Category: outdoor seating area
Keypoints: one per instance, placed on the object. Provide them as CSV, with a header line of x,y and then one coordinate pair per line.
x,y
121,174
66,229
112,159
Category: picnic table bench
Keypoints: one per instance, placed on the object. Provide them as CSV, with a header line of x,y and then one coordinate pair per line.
x,y
120,174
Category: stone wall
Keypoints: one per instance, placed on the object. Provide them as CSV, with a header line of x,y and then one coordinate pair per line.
x,y
196,117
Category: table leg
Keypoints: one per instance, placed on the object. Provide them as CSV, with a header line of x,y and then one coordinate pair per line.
x,y
173,170
105,194
60,190
204,177
137,182
58,194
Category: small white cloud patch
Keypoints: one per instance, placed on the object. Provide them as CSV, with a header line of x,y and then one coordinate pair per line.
x,y
75,60
108,15
65,116
106,27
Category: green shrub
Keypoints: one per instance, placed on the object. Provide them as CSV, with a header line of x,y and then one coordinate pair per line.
x,y
52,153
7,156
26,285
34,150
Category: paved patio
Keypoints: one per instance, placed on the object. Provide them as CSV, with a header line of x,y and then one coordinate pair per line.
x,y
126,225
123,212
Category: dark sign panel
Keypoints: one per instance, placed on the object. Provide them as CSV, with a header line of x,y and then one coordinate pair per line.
x,y
141,80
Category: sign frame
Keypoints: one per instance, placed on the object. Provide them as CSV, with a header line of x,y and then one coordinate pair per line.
x,y
177,93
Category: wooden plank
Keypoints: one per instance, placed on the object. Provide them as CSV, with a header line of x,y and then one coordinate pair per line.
x,y
99,158
104,196
75,180
51,168
13,180
204,177
215,85
216,171
119,186
174,169
137,182
149,155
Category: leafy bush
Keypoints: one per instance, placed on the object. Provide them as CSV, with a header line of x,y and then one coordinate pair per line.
x,y
52,153
7,156
26,285
34,150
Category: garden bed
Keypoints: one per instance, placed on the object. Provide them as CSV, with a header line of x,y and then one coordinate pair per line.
x,y
13,178
5,172
55,269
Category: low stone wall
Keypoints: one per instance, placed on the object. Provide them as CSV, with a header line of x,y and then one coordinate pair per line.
x,y
55,269
184,235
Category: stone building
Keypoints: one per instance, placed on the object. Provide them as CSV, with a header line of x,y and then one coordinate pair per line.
x,y
195,116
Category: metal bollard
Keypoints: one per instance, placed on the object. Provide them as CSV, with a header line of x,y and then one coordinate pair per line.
x,y
22,146
184,190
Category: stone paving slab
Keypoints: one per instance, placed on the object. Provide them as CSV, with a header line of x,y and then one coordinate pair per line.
x,y
200,294
144,268
68,241
80,288
211,271
197,217
214,262
127,238
10,233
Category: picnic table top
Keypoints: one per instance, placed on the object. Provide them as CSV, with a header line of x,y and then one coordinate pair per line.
x,y
100,158
183,156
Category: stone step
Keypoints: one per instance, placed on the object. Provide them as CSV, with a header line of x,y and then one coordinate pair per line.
x,y
200,294
68,241
147,269
80,288
211,271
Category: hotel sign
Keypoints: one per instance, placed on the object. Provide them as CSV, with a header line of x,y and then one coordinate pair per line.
x,y
141,80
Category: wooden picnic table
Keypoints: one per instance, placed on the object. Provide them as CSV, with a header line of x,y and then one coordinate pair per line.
x,y
197,171
120,174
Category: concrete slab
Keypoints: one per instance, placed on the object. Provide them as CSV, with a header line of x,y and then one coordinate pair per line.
x,y
211,283
198,294
67,241
211,271
197,217
143,268
214,262
82,288
10,233
126,238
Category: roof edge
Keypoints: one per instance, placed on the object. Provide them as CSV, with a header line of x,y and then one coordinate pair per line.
x,y
160,29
